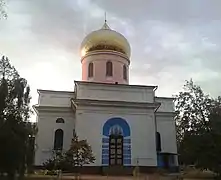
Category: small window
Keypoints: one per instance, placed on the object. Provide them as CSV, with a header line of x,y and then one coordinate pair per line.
x,y
125,72
60,120
109,68
158,142
58,139
91,70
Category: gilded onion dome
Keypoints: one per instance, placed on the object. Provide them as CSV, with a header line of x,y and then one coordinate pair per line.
x,y
105,39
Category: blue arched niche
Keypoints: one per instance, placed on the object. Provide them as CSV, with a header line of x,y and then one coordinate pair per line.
x,y
116,121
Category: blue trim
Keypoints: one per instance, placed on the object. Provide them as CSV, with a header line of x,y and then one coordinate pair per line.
x,y
105,156
126,142
105,151
116,121
127,151
105,140
105,146
127,156
105,161
127,147
127,161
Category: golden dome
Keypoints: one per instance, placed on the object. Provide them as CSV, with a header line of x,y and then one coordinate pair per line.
x,y
105,39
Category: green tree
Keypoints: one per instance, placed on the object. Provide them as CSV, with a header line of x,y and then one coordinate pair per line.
x,y
3,13
57,162
208,156
14,114
30,155
198,127
79,154
192,108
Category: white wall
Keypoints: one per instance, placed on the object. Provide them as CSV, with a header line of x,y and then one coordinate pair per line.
x,y
166,126
167,104
89,125
167,130
55,98
46,128
114,92
90,120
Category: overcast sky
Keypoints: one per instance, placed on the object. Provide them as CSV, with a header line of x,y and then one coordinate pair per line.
x,y
172,40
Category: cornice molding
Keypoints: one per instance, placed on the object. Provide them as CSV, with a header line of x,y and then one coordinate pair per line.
x,y
121,104
54,91
51,109
165,114
154,88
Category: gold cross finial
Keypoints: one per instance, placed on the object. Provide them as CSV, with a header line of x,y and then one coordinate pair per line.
x,y
105,17
105,26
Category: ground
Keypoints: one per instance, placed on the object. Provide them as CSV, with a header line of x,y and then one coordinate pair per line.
x,y
190,174
97,177
187,175
90,177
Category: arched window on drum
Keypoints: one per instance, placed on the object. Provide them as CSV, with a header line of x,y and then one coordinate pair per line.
x,y
90,70
125,72
109,68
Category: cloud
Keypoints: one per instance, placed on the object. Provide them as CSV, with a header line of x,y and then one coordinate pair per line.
x,y
172,11
171,40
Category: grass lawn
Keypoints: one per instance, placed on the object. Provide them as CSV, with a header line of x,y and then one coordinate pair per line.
x,y
197,174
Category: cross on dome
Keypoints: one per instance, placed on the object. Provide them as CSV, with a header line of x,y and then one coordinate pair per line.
x,y
105,39
105,26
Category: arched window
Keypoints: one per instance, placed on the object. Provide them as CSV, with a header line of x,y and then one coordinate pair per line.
x,y
90,70
125,72
58,139
60,120
158,142
109,68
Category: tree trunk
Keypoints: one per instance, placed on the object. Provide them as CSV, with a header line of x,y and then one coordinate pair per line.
x,y
22,168
21,176
1,175
11,175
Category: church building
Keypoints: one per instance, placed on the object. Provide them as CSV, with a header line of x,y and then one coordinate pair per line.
x,y
126,125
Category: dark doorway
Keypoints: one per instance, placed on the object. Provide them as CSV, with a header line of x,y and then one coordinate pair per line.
x,y
158,141
115,150
166,158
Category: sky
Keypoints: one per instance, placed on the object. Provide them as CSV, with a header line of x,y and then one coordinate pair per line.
x,y
171,40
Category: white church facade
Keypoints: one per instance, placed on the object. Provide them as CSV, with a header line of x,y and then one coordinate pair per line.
x,y
126,125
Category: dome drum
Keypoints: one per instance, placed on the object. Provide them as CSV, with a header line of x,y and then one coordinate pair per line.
x,y
105,57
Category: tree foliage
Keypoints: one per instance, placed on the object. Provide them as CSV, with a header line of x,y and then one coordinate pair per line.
x,y
79,154
192,108
3,13
15,130
198,123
